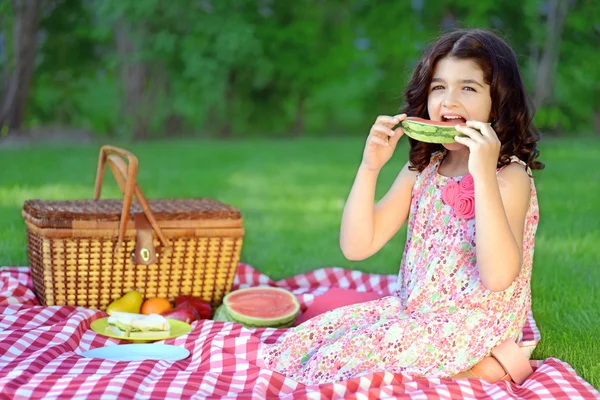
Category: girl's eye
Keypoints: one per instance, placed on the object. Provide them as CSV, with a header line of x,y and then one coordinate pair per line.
x,y
469,88
437,87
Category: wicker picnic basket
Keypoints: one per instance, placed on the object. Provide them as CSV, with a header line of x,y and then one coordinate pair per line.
x,y
90,252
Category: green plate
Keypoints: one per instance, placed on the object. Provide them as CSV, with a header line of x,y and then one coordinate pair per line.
x,y
178,328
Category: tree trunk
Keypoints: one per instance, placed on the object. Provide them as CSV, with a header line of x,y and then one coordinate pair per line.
x,y
211,123
25,49
173,124
546,71
298,128
597,122
133,76
5,61
227,127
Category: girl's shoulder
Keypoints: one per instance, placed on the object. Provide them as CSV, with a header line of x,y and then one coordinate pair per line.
x,y
514,171
515,166
515,179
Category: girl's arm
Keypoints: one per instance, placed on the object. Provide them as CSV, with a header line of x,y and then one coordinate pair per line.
x,y
501,203
366,228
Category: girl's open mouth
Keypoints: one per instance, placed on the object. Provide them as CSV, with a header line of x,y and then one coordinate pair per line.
x,y
457,119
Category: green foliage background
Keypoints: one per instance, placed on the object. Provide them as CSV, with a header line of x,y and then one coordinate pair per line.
x,y
234,68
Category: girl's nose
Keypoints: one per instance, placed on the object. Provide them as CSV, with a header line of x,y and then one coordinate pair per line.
x,y
449,99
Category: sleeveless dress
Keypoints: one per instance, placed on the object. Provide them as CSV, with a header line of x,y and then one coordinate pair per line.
x,y
441,320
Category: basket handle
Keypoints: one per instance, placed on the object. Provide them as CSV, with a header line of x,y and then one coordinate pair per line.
x,y
125,175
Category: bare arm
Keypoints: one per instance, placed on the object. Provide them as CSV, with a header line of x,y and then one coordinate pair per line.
x,y
501,204
367,228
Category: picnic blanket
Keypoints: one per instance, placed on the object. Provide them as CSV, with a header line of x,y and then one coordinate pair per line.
x,y
40,347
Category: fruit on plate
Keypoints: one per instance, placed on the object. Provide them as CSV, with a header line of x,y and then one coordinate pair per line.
x,y
259,307
186,314
130,302
425,130
203,308
155,305
129,325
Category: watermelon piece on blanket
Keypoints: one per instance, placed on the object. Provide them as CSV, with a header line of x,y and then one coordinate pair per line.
x,y
259,307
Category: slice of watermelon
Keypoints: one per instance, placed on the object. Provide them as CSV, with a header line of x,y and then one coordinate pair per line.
x,y
429,131
261,306
222,316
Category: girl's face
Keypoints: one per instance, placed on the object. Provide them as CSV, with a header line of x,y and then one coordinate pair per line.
x,y
458,93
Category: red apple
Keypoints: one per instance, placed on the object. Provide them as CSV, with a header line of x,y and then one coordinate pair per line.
x,y
183,313
203,308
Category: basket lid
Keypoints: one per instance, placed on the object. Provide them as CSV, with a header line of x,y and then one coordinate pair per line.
x,y
61,214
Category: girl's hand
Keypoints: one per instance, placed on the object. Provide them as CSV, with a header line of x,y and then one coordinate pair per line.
x,y
382,141
484,145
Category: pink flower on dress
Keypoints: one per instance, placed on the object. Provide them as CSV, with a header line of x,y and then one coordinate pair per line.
x,y
465,206
449,193
461,197
467,185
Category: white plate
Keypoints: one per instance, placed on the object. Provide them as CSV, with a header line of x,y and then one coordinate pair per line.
x,y
136,352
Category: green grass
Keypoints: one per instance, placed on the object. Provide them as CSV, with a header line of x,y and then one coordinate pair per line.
x,y
291,194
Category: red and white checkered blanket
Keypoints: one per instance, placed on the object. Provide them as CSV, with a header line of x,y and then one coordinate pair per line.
x,y
40,347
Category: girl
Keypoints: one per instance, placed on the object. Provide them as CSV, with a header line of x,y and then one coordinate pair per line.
x,y
472,214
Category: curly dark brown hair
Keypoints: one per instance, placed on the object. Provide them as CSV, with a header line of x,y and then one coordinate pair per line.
x,y
512,112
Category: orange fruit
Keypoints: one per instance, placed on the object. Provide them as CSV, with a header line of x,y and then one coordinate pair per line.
x,y
155,305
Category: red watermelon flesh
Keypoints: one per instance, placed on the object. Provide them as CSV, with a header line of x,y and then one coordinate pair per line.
x,y
262,306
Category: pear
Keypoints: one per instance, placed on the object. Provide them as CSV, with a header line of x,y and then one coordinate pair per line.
x,y
131,302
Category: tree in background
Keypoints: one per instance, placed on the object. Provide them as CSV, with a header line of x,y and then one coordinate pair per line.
x,y
230,68
18,60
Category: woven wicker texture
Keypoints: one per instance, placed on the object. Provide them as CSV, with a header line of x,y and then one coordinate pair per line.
x,y
87,272
59,214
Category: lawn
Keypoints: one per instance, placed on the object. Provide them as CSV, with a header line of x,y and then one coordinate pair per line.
x,y
291,194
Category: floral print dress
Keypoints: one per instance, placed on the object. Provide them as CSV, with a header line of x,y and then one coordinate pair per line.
x,y
441,320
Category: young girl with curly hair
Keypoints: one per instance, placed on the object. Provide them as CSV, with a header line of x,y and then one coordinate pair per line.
x,y
472,213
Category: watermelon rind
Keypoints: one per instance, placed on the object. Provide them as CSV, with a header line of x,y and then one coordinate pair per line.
x,y
221,315
251,321
429,131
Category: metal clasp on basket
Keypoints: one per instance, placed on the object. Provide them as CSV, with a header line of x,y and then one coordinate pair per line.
x,y
145,254
144,257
